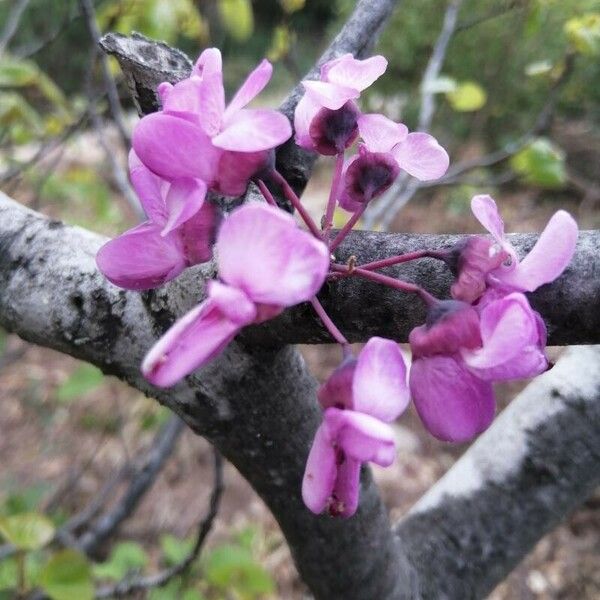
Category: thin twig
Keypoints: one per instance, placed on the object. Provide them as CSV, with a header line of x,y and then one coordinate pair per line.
x,y
497,11
130,586
403,189
12,23
116,111
161,449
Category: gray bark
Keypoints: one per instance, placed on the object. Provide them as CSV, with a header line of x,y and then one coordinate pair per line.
x,y
256,402
539,460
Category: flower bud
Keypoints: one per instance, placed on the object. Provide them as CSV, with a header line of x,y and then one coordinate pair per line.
x,y
332,131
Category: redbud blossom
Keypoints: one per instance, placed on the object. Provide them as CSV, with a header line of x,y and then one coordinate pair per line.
x,y
265,263
461,350
360,397
195,133
325,119
179,232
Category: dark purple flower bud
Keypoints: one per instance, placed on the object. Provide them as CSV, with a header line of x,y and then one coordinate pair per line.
x,y
368,176
450,326
332,131
474,258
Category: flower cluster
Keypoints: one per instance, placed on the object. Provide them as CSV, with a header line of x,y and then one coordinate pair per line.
x,y
486,332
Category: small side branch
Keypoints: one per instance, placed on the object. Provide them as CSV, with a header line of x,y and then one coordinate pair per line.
x,y
131,586
162,448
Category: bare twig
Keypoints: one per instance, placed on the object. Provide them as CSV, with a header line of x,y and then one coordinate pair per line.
x,y
129,586
116,111
403,189
12,23
499,10
161,448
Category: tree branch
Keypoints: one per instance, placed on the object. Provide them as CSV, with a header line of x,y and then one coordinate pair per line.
x,y
130,586
538,462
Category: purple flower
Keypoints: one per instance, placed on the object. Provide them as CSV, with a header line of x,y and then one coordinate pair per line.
x,y
179,232
545,262
388,148
266,263
359,399
461,350
196,135
326,116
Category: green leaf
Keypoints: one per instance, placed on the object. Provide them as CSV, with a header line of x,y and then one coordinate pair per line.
x,y
280,43
3,339
541,163
467,97
292,6
27,531
84,379
232,567
237,18
125,557
175,549
9,575
67,576
583,33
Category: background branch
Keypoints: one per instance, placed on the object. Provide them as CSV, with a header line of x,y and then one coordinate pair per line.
x,y
537,463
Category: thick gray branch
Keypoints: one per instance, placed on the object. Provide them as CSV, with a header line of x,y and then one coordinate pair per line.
x,y
246,402
538,462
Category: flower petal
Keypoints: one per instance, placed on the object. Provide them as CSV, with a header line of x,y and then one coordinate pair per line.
x,y
346,490
252,130
196,338
212,103
306,111
453,404
236,169
329,95
254,84
349,72
174,148
262,252
511,341
379,133
184,199
379,388
337,389
198,234
141,259
486,212
421,156
548,258
320,472
210,61
362,437
149,189
183,97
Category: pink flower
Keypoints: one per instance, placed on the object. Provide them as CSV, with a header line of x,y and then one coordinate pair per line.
x,y
388,148
266,263
196,135
461,350
545,262
179,232
326,116
359,399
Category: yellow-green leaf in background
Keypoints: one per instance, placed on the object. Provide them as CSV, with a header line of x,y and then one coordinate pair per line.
x,y
467,97
83,380
67,576
280,43
27,531
541,163
237,18
584,33
292,6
